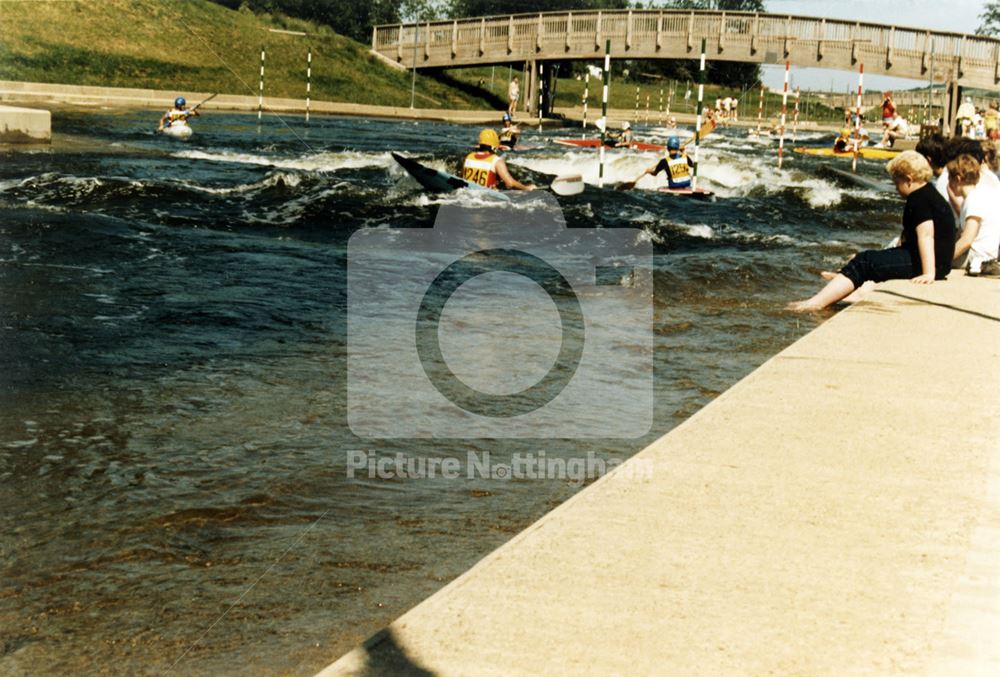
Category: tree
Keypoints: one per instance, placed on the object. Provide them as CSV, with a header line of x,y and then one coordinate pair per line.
x,y
990,18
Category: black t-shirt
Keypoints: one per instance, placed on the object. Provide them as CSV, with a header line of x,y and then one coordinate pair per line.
x,y
926,204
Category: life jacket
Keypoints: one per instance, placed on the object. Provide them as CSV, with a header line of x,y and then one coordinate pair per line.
x,y
508,136
174,115
678,171
480,168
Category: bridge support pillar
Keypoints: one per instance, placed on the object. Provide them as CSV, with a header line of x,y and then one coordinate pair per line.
x,y
531,85
953,99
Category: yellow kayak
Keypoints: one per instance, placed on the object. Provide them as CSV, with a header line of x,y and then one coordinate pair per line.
x,y
868,153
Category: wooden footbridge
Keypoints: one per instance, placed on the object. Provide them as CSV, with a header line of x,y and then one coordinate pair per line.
x,y
955,59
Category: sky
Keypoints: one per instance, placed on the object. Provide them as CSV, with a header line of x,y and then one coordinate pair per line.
x,y
960,16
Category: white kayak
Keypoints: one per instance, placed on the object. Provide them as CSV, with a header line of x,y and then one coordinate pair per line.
x,y
179,130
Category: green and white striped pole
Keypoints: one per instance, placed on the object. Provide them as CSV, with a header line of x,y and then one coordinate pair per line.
x,y
604,110
541,81
697,124
636,118
661,106
586,93
309,68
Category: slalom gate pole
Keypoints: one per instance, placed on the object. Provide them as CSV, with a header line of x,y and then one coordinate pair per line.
x,y
697,124
309,65
760,108
260,99
795,116
857,121
784,112
586,93
604,110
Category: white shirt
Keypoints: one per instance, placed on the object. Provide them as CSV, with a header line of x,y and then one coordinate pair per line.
x,y
983,202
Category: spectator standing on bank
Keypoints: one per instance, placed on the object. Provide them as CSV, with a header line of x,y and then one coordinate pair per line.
x,y
513,94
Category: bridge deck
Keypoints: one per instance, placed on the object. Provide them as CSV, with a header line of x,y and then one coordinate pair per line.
x,y
970,61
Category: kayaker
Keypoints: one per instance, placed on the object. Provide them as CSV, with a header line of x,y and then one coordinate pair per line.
x,y
486,168
509,133
178,113
676,164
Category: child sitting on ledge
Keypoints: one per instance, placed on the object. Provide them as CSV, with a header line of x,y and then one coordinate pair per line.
x,y
926,244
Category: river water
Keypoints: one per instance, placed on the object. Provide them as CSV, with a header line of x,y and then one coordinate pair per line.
x,y
177,406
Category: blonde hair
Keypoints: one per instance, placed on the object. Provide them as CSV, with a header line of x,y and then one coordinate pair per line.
x,y
910,164
964,170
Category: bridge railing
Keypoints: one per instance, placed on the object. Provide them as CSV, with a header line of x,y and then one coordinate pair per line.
x,y
758,37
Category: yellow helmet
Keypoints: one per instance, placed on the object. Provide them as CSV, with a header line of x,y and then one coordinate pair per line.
x,y
488,137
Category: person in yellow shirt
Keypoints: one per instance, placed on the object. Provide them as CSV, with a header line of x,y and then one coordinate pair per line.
x,y
676,164
485,168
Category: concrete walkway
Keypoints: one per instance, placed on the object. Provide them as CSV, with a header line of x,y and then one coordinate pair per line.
x,y
837,513
40,93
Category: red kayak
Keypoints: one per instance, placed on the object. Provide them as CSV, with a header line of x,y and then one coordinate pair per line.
x,y
698,193
596,143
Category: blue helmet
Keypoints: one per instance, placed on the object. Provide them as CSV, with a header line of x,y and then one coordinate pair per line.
x,y
507,117
180,101
673,143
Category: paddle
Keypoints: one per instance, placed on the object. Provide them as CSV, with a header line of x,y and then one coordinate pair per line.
x,y
200,103
566,185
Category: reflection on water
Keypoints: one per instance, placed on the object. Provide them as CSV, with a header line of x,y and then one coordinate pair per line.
x,y
174,444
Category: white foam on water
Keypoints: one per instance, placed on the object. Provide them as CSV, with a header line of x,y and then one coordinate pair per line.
x,y
318,162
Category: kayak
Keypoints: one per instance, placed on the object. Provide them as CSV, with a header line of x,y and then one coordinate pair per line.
x,y
697,193
437,181
432,179
869,153
179,130
596,143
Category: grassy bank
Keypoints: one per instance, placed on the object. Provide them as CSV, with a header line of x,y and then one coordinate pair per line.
x,y
198,45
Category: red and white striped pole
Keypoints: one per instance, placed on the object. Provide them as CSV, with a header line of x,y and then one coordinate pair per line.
x,y
857,121
784,112
795,117
760,108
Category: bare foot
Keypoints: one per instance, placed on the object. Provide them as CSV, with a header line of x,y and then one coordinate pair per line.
x,y
803,307
827,275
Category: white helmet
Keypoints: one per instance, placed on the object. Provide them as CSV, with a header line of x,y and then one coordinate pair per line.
x,y
626,125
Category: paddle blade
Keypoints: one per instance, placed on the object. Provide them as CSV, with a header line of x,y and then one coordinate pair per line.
x,y
571,184
625,185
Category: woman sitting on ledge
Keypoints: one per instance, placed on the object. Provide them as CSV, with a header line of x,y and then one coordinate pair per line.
x,y
925,246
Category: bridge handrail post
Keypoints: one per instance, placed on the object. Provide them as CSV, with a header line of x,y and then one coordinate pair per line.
x,y
819,41
628,31
690,44
569,29
454,38
753,33
888,49
482,36
538,33
722,31
659,31
597,30
788,31
427,43
399,45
